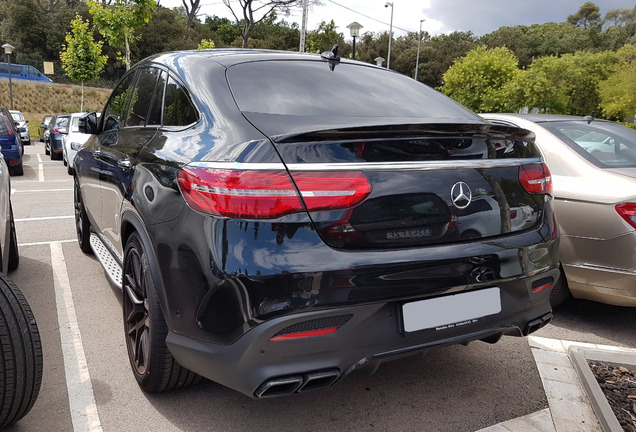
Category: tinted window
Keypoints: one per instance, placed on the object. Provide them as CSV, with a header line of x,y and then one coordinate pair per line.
x,y
310,88
605,144
178,109
142,96
17,116
61,122
154,116
118,104
4,125
15,69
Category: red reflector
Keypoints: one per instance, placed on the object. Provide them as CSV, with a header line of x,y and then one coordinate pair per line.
x,y
536,178
56,130
627,212
541,288
255,194
305,334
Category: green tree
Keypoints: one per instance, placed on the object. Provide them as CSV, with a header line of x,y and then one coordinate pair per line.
x,y
477,79
82,57
206,44
118,23
563,85
439,53
587,16
324,38
618,91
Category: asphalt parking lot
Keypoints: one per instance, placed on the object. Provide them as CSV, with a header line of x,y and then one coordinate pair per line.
x,y
88,385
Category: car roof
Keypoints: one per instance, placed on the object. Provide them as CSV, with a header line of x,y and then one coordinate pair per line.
x,y
542,118
229,57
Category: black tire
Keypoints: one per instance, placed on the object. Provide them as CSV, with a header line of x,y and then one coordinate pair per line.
x,y
70,170
20,354
14,255
82,224
145,327
560,292
46,149
17,170
64,160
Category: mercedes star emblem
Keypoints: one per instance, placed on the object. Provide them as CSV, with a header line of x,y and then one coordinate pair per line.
x,y
461,195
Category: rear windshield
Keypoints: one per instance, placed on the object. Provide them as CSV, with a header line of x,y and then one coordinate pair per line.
x,y
61,122
17,116
310,88
605,144
4,125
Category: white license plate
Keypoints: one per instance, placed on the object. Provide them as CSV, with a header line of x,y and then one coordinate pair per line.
x,y
409,233
451,311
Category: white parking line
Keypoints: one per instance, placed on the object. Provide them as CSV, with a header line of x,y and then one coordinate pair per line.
x,y
78,381
43,218
15,191
40,168
46,243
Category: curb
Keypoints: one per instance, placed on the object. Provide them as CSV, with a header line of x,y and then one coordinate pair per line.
x,y
602,409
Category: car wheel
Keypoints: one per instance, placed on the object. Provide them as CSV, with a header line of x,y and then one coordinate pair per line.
x,y
82,225
470,234
46,149
152,363
560,292
17,170
69,169
14,255
20,354
64,160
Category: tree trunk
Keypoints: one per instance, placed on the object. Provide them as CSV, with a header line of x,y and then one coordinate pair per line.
x,y
82,100
127,52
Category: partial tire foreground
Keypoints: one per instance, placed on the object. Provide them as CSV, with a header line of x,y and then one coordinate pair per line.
x,y
152,363
20,354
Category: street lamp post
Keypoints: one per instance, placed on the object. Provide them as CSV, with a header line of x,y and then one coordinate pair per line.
x,y
8,49
419,42
354,28
388,62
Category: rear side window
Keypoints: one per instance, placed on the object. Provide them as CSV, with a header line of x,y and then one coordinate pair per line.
x,y
178,109
118,104
142,97
310,88
4,125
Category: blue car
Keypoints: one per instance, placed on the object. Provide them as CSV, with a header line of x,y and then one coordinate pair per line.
x,y
11,145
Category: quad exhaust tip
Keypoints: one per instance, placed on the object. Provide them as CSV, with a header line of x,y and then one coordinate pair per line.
x,y
281,386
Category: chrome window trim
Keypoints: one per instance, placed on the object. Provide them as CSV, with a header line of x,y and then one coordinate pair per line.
x,y
371,166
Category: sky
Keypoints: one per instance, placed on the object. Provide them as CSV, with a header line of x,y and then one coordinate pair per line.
x,y
441,16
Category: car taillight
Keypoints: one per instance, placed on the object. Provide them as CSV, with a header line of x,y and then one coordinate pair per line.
x,y
627,212
255,194
56,130
536,178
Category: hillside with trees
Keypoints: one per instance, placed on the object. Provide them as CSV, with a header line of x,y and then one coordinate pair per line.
x,y
583,64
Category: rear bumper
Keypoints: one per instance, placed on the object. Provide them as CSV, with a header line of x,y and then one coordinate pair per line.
x,y
366,336
13,155
56,146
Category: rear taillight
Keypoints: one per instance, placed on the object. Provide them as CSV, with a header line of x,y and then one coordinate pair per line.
x,y
255,194
56,130
628,212
536,178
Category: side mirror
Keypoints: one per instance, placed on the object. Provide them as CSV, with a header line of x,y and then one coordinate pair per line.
x,y
43,125
88,124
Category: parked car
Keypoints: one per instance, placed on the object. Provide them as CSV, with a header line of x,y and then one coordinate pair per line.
x,y
277,220
23,127
10,142
42,130
58,128
21,360
593,164
73,141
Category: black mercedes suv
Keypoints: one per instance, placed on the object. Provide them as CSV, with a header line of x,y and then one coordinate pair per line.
x,y
277,220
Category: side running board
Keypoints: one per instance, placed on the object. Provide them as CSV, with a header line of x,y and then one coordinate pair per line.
x,y
111,265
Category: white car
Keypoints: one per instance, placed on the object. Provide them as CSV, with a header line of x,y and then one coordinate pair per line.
x,y
73,141
23,126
